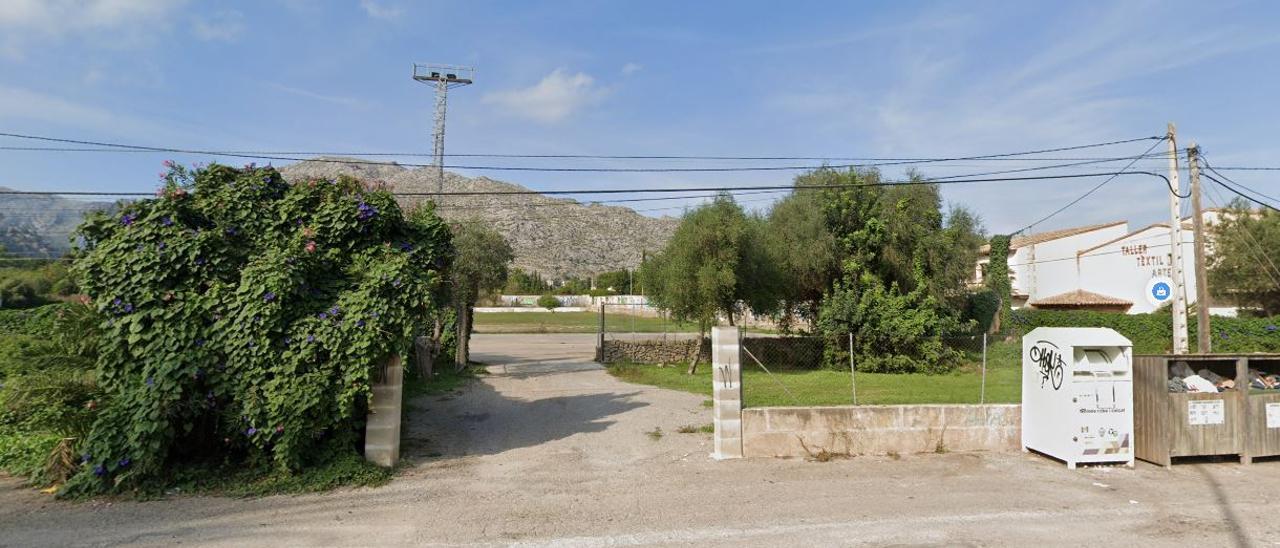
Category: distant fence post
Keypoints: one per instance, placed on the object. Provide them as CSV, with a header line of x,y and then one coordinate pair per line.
x,y
726,378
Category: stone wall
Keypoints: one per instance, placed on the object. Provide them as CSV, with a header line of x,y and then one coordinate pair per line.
x,y
654,351
879,429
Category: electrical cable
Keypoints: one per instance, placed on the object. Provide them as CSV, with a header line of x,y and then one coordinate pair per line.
x,y
1256,246
552,169
904,182
1210,167
1095,189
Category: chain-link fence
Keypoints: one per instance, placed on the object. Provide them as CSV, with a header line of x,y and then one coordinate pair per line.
x,y
788,370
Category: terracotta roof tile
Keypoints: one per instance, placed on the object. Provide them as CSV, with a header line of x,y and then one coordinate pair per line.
x,y
1080,297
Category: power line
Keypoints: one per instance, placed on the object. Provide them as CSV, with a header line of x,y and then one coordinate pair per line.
x,y
1254,246
1241,194
1155,156
554,169
526,192
1215,171
1095,189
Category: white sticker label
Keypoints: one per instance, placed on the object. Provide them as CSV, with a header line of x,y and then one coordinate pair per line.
x,y
1205,412
1273,415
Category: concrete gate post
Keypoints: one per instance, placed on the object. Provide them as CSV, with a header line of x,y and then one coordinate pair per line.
x,y
726,375
382,427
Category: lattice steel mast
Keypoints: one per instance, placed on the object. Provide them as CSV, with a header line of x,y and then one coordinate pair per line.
x,y
443,77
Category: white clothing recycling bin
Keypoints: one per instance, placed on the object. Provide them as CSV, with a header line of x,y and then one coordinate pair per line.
x,y
1077,394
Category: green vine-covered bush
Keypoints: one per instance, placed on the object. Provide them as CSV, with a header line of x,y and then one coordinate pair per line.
x,y
245,317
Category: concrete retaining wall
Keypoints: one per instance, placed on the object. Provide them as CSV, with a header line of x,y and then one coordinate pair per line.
x,y
879,429
653,351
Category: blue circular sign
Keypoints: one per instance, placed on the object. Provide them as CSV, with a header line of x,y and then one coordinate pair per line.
x,y
1161,291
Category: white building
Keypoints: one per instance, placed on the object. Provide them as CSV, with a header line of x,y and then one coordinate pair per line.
x,y
1099,267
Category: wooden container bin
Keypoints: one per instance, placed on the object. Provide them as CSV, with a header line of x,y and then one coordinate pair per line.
x,y
1168,424
1262,432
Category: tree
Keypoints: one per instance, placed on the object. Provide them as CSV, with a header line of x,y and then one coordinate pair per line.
x,y
617,281
714,264
479,269
1246,252
897,293
520,282
803,249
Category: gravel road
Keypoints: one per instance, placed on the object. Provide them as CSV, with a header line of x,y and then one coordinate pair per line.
x,y
549,450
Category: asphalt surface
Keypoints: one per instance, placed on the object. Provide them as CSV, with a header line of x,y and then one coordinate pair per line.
x,y
549,450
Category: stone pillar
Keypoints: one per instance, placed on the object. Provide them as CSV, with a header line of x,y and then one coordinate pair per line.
x,y
382,427
726,375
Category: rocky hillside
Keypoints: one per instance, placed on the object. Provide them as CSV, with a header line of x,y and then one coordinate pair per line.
x,y
554,237
33,225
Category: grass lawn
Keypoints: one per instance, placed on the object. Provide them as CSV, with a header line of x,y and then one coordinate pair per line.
x,y
810,388
571,322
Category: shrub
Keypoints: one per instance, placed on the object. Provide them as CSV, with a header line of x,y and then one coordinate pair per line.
x,y
1153,333
548,301
246,316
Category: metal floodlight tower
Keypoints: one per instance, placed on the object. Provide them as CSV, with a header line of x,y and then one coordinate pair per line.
x,y
444,77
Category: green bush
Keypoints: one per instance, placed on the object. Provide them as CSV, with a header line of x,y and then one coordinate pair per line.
x,y
246,316
47,389
548,301
36,285
1153,333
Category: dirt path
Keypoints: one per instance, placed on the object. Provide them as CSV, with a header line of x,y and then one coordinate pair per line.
x,y
550,450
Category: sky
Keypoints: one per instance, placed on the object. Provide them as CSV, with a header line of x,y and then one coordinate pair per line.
x,y
746,78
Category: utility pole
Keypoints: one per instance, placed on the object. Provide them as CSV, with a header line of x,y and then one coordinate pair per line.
x,y
444,77
1203,340
1175,251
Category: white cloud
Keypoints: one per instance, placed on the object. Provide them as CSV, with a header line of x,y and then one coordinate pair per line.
x,y
223,26
26,22
556,97
379,11
631,68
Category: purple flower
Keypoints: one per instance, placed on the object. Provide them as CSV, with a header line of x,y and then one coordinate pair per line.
x,y
86,457
231,231
124,463
151,381
251,431
311,338
364,211
333,311
200,261
406,247
116,302
396,282
1271,328
322,315
99,470
360,323
199,342
128,308
270,296
160,245
128,219
374,314
166,221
